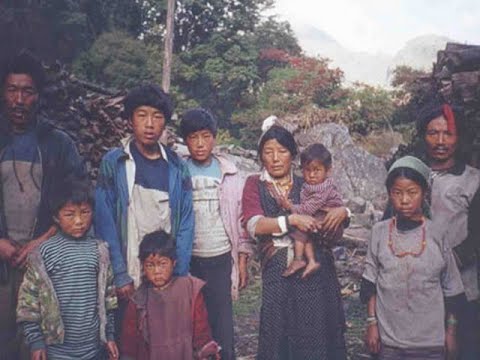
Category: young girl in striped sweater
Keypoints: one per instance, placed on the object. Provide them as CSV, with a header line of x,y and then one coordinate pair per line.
x,y
67,296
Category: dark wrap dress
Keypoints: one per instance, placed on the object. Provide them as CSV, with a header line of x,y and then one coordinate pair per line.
x,y
299,319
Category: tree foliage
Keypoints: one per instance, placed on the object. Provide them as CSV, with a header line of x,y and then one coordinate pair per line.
x,y
411,92
218,74
368,108
217,46
118,60
274,34
197,21
406,77
299,82
61,29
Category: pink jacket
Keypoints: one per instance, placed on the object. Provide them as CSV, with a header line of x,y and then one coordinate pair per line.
x,y
230,196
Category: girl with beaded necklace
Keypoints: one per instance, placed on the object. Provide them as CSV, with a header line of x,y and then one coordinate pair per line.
x,y
411,283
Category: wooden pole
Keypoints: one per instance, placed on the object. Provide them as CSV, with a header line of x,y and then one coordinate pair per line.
x,y
168,48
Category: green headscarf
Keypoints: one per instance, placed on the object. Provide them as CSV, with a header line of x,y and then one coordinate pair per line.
x,y
414,164
421,168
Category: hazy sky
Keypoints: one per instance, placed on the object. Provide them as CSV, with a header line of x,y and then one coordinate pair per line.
x,y
385,25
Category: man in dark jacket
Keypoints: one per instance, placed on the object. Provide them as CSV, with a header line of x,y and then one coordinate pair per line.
x,y
33,154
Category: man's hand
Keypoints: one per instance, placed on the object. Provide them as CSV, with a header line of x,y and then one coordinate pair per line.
x,y
243,271
7,250
40,354
112,349
126,291
20,258
372,338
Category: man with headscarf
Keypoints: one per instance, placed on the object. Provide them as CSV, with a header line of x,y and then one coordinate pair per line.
x,y
456,204
33,154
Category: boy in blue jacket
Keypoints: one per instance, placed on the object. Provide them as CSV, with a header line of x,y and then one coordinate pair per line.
x,y
143,187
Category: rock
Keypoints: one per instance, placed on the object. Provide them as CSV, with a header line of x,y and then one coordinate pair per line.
x,y
357,204
380,203
357,172
340,253
365,220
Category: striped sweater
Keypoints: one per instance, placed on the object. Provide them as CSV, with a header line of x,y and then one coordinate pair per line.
x,y
73,268
315,197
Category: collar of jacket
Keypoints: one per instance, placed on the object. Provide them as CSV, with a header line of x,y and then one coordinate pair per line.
x,y
126,147
227,166
457,169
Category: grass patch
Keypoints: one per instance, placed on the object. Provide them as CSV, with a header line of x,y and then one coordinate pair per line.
x,y
250,299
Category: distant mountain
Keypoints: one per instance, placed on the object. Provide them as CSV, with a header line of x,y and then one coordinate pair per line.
x,y
357,66
419,53
374,69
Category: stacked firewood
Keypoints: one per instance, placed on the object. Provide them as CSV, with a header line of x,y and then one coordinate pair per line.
x,y
90,114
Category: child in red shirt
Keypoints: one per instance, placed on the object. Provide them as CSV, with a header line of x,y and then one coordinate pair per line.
x,y
166,318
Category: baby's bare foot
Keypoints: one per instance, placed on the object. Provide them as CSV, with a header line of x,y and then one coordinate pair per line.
x,y
312,267
295,265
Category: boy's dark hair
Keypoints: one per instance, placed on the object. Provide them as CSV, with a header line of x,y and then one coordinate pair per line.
x,y
316,152
25,63
76,189
282,135
157,243
197,119
148,95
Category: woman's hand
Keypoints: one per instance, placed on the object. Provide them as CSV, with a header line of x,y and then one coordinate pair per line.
x,y
40,354
372,338
334,218
285,202
303,223
451,343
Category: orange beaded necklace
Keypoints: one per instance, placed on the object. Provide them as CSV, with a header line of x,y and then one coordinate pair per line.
x,y
392,232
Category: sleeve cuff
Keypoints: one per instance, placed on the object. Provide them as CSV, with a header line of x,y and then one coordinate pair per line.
x,y
282,224
37,345
349,213
122,279
245,249
252,224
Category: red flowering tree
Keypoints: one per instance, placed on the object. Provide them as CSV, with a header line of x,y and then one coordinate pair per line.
x,y
292,83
